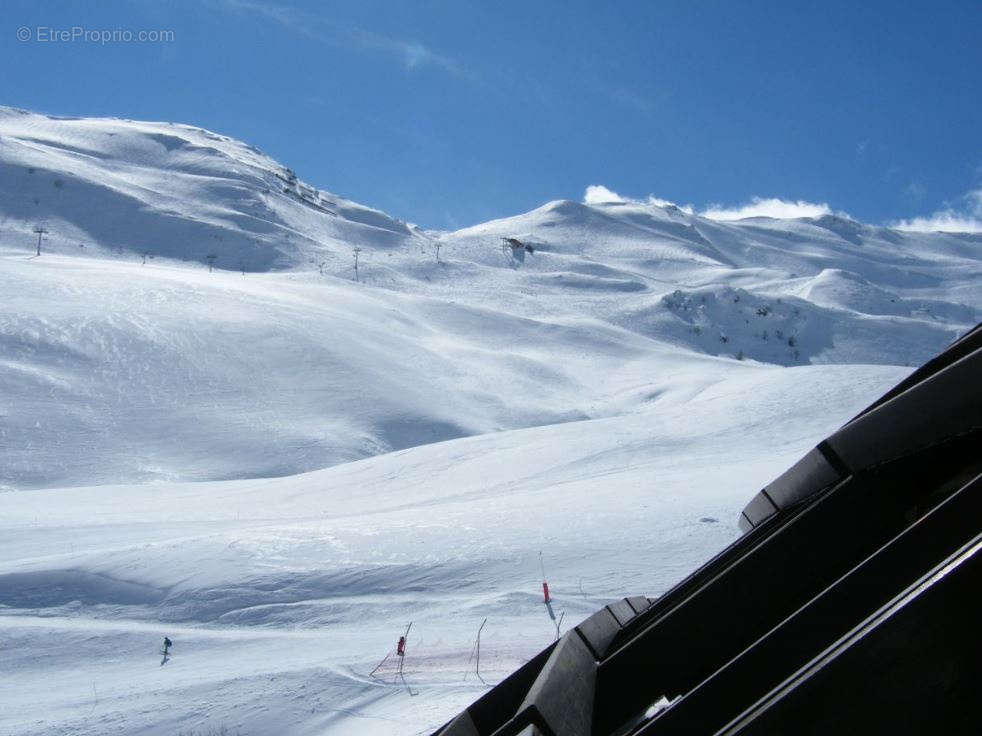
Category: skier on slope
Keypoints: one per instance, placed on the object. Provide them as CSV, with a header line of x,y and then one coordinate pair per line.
x,y
167,645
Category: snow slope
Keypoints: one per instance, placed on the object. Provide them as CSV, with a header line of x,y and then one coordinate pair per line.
x,y
281,462
127,360
110,371
282,594
808,290
172,191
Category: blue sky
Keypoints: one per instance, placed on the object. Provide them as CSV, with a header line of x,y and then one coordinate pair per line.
x,y
451,113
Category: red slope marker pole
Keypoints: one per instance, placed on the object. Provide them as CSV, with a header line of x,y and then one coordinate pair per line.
x,y
401,646
545,585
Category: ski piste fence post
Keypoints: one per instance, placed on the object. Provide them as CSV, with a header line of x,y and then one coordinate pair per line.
x,y
401,647
379,665
400,652
476,649
545,585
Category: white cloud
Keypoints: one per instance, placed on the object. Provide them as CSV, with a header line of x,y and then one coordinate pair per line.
x,y
780,209
599,194
652,199
966,218
944,222
413,53
757,207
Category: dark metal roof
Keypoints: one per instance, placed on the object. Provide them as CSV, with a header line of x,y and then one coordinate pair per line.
x,y
850,604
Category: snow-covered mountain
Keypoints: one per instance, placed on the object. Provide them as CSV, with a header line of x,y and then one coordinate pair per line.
x,y
789,292
212,426
146,362
128,188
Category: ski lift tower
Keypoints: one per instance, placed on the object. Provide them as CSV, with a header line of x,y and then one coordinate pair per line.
x,y
41,231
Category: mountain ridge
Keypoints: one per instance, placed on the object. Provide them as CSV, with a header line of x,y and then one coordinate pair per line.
x,y
436,335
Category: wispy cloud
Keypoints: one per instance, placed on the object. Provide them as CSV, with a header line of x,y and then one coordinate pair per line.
x,y
412,54
963,217
780,209
757,207
914,191
599,194
631,98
